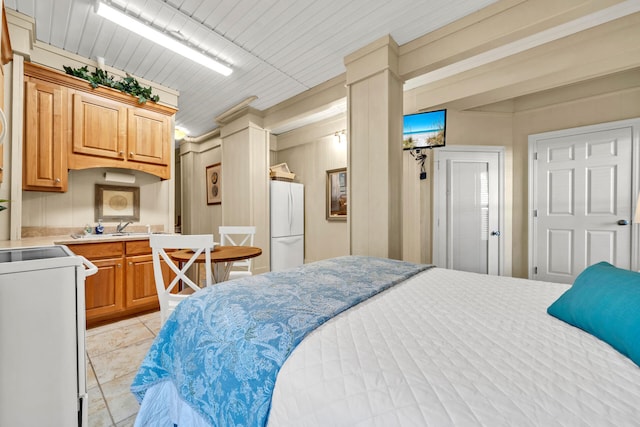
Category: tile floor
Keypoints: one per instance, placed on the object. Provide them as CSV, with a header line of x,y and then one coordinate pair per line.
x,y
114,353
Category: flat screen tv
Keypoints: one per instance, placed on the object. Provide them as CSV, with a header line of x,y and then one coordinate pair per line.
x,y
424,130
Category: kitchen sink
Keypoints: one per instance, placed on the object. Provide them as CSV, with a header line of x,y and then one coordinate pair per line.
x,y
108,235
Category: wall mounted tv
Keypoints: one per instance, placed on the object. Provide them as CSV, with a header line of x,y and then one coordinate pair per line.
x,y
424,130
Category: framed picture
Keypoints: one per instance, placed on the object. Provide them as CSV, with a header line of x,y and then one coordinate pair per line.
x,y
115,203
337,194
214,190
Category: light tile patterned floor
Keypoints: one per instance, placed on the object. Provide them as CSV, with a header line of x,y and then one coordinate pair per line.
x,y
115,351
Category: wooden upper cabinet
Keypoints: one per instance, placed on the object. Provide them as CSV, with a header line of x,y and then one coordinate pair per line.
x,y
99,127
45,128
148,137
111,130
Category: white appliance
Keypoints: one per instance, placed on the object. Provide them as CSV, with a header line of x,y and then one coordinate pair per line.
x,y
287,225
42,337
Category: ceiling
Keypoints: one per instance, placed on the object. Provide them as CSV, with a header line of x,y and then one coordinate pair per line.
x,y
277,48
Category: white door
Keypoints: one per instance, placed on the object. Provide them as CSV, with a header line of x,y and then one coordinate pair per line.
x,y
467,214
582,197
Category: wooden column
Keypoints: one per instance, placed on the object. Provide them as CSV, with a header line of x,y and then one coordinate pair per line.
x,y
374,99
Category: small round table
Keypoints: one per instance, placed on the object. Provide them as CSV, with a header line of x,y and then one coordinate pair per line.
x,y
222,258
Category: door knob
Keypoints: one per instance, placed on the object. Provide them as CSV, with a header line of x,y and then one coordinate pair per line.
x,y
623,222
495,233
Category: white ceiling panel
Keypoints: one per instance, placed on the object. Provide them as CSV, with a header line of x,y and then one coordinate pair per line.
x,y
277,48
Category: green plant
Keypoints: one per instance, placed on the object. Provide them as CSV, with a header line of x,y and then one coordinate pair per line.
x,y
127,84
1,206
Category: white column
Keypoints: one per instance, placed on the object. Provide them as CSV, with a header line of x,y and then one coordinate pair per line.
x,y
374,99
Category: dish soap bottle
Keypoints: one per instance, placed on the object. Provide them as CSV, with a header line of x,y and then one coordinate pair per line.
x,y
99,227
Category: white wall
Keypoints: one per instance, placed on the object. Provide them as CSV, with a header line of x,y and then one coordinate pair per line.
x,y
310,152
76,207
197,216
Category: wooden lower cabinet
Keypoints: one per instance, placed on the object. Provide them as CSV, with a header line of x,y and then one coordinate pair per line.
x,y
141,285
103,290
124,284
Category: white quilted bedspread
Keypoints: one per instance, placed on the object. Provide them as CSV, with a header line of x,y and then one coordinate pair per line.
x,y
449,348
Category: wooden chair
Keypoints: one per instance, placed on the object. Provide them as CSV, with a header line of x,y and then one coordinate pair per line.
x,y
167,295
238,236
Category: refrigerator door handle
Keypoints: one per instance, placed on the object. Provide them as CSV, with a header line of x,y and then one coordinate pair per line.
x,y
290,209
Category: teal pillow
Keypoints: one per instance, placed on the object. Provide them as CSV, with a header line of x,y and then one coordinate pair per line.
x,y
605,301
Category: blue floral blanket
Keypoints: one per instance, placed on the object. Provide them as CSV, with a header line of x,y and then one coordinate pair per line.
x,y
223,347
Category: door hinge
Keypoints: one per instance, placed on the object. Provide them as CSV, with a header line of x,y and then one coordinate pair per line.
x,y
535,156
535,213
535,270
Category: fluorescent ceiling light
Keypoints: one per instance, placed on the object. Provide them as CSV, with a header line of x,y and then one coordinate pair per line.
x,y
118,17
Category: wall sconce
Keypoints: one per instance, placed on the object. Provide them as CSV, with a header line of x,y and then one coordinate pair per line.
x,y
179,133
340,136
119,177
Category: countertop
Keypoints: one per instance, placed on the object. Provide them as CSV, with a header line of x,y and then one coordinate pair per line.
x,y
68,240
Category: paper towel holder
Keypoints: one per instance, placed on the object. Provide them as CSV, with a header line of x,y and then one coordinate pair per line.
x,y
119,177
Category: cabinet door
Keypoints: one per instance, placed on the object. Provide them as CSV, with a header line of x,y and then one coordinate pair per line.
x,y
141,284
44,131
103,290
148,136
99,127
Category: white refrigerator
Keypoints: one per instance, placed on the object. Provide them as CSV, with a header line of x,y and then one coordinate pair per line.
x,y
287,225
42,332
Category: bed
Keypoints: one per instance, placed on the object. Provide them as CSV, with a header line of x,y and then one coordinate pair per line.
x,y
414,345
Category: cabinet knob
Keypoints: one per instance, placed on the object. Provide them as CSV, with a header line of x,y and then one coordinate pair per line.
x,y
130,263
120,153
130,153
119,265
57,180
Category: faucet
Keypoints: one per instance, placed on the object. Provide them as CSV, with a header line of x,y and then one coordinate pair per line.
x,y
120,227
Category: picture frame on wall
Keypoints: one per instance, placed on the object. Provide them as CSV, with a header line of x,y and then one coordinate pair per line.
x,y
117,203
213,175
337,194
